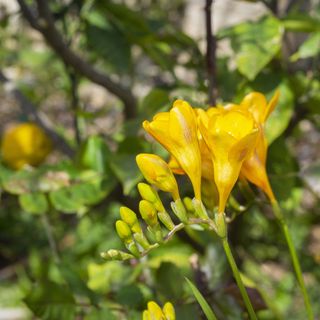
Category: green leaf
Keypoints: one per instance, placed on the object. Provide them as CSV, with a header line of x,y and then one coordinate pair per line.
x,y
301,23
254,44
100,314
34,202
165,283
201,300
309,48
103,277
76,197
51,301
94,154
130,296
126,170
111,45
154,101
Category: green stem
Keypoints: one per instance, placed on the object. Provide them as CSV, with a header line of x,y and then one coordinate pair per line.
x,y
50,237
236,274
294,257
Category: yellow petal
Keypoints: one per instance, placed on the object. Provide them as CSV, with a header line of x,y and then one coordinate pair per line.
x,y
244,147
168,311
272,104
231,136
146,315
255,172
155,311
177,132
256,103
157,172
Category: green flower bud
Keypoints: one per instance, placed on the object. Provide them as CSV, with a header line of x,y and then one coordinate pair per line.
x,y
129,217
179,210
188,204
147,192
200,209
116,255
123,231
148,212
221,224
142,240
166,220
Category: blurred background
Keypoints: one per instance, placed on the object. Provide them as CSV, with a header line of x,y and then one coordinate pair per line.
x,y
88,72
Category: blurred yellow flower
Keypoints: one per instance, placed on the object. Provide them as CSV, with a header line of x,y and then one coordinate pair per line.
x,y
154,312
24,144
176,130
254,168
230,134
157,172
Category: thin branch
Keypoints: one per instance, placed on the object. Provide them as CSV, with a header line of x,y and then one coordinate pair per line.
x,y
74,82
211,54
30,110
45,25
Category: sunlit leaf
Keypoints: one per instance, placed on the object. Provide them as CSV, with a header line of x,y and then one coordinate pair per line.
x,y
255,44
34,202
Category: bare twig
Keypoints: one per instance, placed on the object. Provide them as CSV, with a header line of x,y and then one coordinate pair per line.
x,y
75,104
211,54
45,25
30,110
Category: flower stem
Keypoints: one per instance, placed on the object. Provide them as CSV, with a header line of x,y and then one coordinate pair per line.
x,y
294,257
236,274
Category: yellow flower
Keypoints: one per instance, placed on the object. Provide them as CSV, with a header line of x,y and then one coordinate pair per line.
x,y
24,144
176,130
154,312
230,134
254,168
157,172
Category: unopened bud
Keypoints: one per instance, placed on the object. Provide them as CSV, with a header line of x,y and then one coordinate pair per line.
x,y
200,210
147,192
166,220
157,172
179,210
116,255
188,204
142,240
128,216
148,212
125,235
123,230
221,224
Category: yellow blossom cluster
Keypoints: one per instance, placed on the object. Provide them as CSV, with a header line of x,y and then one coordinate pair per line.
x,y
216,145
213,148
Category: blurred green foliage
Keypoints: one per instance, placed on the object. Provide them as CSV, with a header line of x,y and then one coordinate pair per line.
x,y
57,218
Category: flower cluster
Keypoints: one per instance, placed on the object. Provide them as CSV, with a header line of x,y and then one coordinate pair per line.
x,y
213,148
